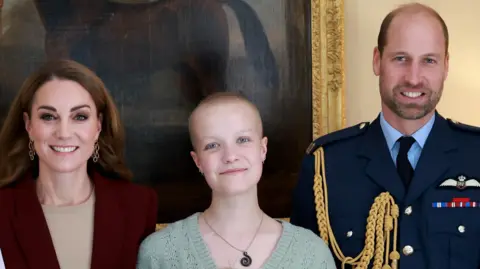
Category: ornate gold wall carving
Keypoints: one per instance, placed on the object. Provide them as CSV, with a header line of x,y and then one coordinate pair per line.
x,y
328,77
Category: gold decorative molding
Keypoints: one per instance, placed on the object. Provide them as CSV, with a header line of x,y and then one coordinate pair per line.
x,y
328,77
160,226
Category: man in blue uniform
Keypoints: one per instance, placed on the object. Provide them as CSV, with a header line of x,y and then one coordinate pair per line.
x,y
404,190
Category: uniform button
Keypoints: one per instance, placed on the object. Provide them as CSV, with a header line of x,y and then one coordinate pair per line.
x,y
407,250
349,234
461,229
408,211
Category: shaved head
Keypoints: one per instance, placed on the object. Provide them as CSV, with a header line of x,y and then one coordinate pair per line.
x,y
213,102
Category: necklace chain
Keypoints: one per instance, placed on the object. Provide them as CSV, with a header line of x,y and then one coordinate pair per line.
x,y
251,242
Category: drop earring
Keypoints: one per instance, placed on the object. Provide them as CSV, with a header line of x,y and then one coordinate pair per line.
x,y
31,150
95,155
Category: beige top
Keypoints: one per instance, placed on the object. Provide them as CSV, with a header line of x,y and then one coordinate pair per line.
x,y
71,229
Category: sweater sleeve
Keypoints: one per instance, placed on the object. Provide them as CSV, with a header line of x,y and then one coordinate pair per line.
x,y
325,258
146,260
146,254
154,250
320,256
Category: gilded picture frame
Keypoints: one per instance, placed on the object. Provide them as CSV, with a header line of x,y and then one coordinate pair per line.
x,y
327,65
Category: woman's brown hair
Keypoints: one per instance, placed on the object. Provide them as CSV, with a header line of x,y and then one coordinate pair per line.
x,y
14,139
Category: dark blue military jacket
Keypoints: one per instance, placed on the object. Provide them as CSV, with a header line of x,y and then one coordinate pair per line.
x,y
438,226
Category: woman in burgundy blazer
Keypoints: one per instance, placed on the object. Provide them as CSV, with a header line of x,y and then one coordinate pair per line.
x,y
67,153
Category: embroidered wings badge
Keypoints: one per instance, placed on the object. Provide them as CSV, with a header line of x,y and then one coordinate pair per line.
x,y
461,183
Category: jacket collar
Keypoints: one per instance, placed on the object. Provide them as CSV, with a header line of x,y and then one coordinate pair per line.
x,y
381,168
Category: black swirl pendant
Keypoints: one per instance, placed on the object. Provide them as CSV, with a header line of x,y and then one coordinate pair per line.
x,y
246,260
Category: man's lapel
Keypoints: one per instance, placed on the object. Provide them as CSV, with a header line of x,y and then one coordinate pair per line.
x,y
434,160
380,167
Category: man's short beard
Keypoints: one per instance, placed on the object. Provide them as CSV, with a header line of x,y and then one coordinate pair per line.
x,y
404,111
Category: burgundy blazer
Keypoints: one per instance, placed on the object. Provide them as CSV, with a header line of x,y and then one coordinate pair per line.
x,y
124,215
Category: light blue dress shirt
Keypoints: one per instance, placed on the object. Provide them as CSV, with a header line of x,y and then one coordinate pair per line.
x,y
392,135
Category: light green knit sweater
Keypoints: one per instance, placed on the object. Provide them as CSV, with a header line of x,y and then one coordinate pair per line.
x,y
180,245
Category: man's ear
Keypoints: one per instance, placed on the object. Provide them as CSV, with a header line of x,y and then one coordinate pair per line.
x,y
377,57
447,64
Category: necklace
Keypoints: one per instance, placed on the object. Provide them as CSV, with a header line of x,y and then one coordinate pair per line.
x,y
246,260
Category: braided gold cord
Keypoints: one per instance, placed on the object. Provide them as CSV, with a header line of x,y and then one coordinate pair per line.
x,y
380,231
381,221
319,203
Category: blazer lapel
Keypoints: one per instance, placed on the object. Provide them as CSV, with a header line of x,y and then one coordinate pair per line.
x,y
109,226
31,228
434,160
380,167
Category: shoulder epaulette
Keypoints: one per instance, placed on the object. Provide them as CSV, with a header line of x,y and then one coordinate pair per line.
x,y
462,126
335,136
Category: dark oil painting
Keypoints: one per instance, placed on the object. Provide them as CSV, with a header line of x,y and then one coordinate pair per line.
x,y
159,58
